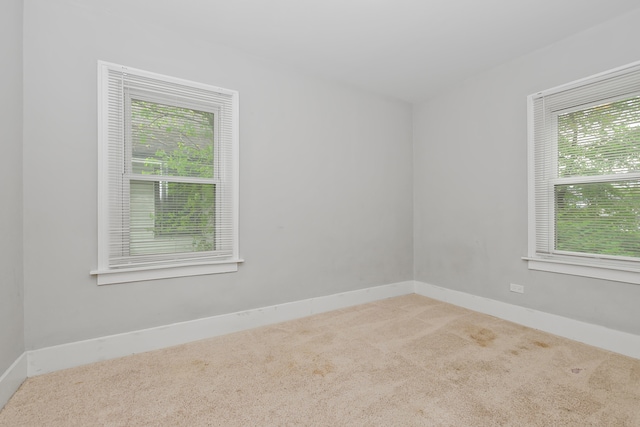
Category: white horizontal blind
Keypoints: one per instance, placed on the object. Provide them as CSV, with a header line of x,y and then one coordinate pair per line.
x,y
587,168
169,170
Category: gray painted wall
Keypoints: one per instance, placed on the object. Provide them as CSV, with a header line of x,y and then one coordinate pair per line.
x,y
11,295
326,182
470,163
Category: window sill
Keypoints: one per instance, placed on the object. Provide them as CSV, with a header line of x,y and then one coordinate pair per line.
x,y
610,271
122,275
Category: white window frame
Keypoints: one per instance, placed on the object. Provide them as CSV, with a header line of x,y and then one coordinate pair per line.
x,y
106,273
618,269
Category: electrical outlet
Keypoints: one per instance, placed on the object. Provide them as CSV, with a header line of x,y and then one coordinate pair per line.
x,y
516,288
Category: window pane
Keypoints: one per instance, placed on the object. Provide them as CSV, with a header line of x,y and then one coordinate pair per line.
x,y
599,218
172,141
600,140
170,217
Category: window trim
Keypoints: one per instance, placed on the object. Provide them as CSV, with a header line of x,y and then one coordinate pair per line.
x,y
592,266
125,275
106,275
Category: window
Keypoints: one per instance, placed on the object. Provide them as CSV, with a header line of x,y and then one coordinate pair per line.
x,y
584,177
168,186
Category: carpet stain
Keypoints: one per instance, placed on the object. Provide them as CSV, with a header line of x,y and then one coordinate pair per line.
x,y
541,344
617,374
483,337
325,369
573,400
200,365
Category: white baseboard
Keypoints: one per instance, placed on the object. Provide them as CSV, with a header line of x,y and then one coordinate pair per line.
x,y
12,378
595,335
79,353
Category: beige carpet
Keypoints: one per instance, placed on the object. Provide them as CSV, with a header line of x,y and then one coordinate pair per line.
x,y
407,361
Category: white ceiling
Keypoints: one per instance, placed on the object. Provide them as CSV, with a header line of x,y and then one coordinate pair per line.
x,y
403,48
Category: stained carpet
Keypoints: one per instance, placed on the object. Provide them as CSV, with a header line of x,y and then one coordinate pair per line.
x,y
406,361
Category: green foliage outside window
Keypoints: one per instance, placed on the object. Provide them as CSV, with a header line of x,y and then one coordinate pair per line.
x,y
178,142
599,217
